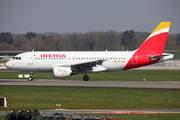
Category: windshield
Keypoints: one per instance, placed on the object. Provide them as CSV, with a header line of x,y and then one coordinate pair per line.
x,y
16,58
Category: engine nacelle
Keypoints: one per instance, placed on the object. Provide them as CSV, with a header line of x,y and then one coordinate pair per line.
x,y
61,72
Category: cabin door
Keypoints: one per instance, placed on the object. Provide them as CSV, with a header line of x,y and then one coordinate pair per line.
x,y
135,59
30,59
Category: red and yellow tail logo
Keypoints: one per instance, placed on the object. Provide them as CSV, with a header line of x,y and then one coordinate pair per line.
x,y
152,46
156,41
163,27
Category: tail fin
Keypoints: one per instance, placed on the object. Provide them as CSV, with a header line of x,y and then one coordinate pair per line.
x,y
152,49
156,41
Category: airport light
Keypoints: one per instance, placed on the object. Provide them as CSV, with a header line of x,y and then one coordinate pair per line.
x,y
3,102
58,105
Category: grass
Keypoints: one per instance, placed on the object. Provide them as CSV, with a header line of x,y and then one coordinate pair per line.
x,y
3,61
88,98
176,55
128,75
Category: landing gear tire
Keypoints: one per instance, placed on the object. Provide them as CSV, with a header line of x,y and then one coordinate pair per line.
x,y
86,78
30,78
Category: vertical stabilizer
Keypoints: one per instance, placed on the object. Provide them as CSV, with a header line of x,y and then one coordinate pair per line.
x,y
156,41
152,48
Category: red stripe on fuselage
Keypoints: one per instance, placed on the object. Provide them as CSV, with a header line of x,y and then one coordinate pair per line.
x,y
153,46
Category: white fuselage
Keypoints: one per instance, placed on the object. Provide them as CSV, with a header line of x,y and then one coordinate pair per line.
x,y
46,61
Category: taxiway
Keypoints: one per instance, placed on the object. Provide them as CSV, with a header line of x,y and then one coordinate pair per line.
x,y
93,84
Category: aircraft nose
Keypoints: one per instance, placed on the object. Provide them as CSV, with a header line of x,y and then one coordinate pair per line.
x,y
7,64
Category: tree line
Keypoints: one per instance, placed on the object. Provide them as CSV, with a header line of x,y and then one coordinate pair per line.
x,y
99,41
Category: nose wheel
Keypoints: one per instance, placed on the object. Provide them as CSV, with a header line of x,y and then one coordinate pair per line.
x,y
86,78
31,76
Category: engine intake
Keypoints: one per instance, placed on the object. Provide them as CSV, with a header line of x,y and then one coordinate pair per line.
x,y
61,72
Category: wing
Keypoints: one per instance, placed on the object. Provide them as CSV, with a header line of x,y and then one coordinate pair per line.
x,y
88,63
82,66
91,66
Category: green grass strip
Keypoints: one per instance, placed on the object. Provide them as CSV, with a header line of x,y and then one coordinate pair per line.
x,y
129,75
88,98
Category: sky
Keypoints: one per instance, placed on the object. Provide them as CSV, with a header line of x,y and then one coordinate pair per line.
x,y
82,16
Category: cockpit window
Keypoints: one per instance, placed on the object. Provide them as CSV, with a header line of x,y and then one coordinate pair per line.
x,y
16,58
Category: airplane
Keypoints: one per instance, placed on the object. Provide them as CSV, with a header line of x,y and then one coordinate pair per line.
x,y
67,63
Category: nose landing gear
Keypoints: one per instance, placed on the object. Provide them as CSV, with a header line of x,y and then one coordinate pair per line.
x,y
31,76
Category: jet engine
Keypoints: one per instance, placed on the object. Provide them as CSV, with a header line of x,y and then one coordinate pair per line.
x,y
61,72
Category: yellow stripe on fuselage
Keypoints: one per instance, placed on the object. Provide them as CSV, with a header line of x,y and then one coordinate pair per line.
x,y
162,25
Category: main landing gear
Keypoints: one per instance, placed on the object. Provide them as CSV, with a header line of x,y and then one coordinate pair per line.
x,y
86,78
31,76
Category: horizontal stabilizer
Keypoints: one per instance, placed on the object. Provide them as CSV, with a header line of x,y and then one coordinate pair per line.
x,y
164,56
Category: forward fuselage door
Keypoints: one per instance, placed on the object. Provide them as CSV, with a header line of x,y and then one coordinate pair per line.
x,y
30,59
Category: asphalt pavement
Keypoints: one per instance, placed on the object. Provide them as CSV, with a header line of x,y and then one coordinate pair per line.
x,y
93,84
